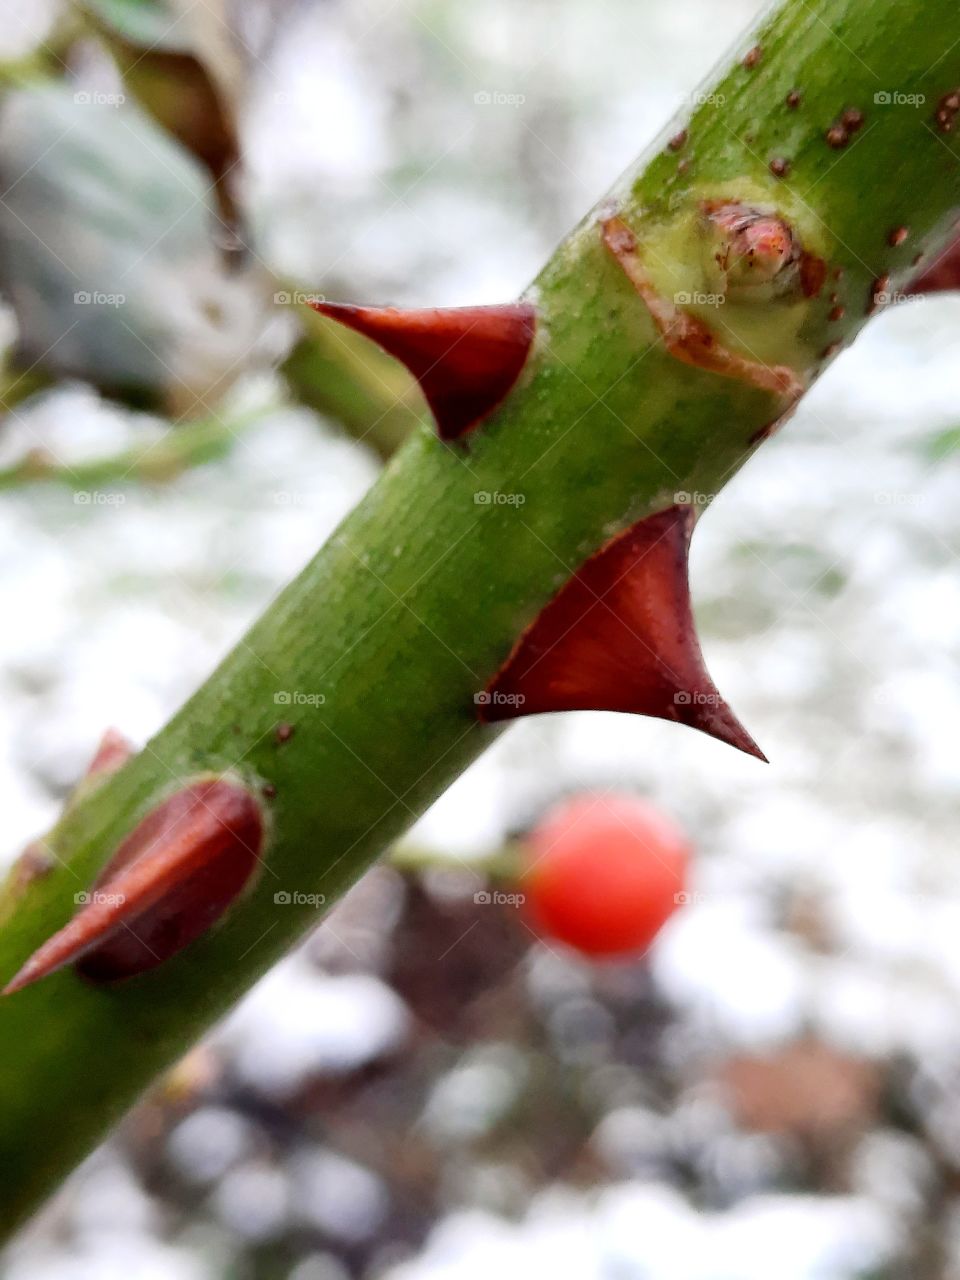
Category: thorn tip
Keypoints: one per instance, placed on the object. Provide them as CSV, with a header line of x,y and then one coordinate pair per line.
x,y
620,636
168,882
466,359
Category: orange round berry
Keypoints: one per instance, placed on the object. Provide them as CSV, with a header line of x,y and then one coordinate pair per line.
x,y
604,873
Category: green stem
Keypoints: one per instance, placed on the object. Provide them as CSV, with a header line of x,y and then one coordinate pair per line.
x,y
414,603
501,865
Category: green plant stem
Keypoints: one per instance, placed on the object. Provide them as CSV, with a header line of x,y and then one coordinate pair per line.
x,y
415,602
501,865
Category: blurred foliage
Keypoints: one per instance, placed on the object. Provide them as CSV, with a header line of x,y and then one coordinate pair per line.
x,y
338,373
156,462
124,253
151,24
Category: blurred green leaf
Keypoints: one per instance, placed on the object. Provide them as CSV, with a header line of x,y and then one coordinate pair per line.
x,y
940,444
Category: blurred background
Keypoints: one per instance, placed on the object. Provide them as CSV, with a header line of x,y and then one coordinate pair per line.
x,y
427,1088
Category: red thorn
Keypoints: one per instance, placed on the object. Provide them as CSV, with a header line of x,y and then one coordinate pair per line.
x,y
113,752
173,876
466,359
619,636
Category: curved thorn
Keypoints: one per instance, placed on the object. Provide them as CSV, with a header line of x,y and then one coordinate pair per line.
x,y
172,877
465,359
619,636
112,753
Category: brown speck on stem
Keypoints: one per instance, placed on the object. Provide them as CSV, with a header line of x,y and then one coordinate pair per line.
x,y
837,137
917,260
879,287
779,167
813,274
284,731
837,313
852,119
794,98
683,166
771,428
830,351
752,57
678,141
838,273
897,236
947,109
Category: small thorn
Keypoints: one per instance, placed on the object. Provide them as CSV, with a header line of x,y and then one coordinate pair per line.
x,y
466,359
113,752
619,636
172,877
34,863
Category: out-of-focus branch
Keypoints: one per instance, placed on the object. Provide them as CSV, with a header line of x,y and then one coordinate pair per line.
x,y
345,377
158,462
18,386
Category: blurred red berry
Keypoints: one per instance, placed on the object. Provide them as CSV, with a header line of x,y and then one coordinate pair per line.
x,y
604,873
